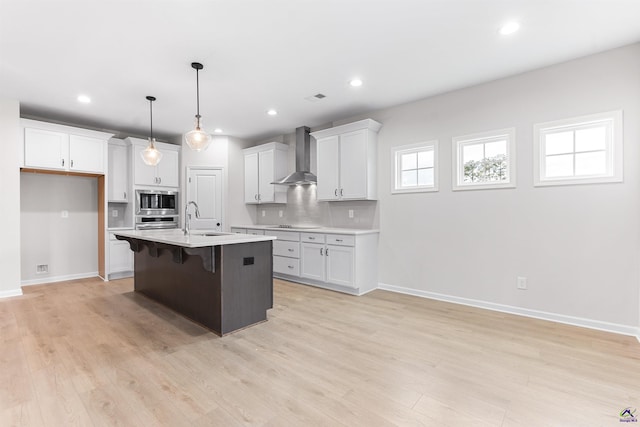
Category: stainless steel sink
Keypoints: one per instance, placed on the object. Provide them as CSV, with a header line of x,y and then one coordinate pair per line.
x,y
211,233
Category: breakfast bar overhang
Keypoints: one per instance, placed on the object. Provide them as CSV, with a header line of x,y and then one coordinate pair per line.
x,y
222,281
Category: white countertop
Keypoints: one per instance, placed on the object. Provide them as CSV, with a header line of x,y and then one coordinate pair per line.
x,y
196,239
309,229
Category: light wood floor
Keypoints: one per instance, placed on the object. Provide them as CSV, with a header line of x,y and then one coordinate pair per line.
x,y
91,353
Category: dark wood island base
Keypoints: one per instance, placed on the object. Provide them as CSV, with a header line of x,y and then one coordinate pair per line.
x,y
224,288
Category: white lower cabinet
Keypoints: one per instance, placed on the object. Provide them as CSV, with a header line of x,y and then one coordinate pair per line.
x,y
331,263
286,253
120,256
340,265
341,262
313,261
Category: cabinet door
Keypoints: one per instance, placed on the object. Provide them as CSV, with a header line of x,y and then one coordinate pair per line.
x,y
86,154
353,165
266,164
312,261
251,178
118,173
340,265
120,256
168,170
143,174
46,149
328,187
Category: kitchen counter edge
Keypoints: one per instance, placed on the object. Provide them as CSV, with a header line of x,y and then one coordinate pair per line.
x,y
320,230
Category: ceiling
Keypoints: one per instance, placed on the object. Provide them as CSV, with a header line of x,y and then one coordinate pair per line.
x,y
262,54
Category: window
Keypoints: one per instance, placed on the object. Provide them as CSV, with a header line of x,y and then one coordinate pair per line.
x,y
416,167
485,160
581,150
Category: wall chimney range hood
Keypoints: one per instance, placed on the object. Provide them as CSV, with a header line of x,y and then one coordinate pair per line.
x,y
302,175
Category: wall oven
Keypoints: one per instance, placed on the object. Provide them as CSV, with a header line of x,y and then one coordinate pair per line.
x,y
156,209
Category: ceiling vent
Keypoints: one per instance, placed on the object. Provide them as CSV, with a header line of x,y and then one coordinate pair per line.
x,y
316,97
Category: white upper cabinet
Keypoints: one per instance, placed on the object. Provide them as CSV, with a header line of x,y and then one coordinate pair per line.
x,y
58,147
164,174
264,164
347,161
118,171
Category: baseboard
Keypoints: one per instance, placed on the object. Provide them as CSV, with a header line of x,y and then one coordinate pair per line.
x,y
53,279
553,317
11,293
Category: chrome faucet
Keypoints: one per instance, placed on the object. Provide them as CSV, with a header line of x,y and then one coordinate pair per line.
x,y
187,216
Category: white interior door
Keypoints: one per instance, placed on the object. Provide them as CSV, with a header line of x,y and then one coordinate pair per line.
x,y
204,187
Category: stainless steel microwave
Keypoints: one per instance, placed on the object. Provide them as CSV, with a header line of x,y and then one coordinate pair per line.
x,y
156,203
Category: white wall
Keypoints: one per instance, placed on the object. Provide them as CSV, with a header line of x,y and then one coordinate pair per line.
x,y
10,205
577,245
68,245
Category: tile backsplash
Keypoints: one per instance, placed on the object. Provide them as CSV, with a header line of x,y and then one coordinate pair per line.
x,y
302,208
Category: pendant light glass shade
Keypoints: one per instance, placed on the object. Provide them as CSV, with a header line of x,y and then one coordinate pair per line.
x,y
197,139
151,155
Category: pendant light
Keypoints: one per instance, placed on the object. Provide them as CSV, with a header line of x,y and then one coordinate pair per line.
x,y
197,139
151,155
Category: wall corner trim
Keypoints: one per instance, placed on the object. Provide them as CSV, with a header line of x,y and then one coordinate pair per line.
x,y
543,315
11,293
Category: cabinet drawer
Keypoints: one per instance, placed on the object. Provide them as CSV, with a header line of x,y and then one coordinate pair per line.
x,y
284,265
341,239
288,249
292,236
255,232
312,237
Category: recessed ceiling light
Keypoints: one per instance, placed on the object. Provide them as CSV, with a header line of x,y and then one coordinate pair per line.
x,y
356,82
84,99
217,130
509,28
272,112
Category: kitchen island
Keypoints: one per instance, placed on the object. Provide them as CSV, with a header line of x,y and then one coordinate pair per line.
x,y
221,280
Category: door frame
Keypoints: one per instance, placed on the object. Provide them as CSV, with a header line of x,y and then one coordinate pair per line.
x,y
223,196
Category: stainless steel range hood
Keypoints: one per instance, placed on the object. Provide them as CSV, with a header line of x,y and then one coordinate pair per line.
x,y
302,175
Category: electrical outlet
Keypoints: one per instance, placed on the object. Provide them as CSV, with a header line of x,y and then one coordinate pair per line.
x,y
114,213
64,214
522,283
264,213
280,213
350,213
42,268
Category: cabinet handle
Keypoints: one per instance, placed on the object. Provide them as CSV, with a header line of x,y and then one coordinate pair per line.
x,y
321,252
159,180
311,238
336,192
338,240
255,197
125,194
290,266
71,162
326,252
259,197
341,190
290,250
62,162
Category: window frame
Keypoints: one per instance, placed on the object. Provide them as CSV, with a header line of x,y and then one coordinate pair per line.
x,y
614,149
458,142
396,155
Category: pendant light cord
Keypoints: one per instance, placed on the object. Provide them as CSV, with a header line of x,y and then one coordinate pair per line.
x,y
198,93
151,116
